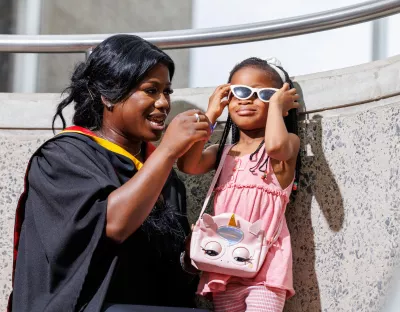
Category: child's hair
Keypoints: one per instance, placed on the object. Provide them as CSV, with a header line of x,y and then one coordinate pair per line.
x,y
290,120
114,68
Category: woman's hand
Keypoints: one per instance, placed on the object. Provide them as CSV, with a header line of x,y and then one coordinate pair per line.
x,y
185,130
216,104
130,204
285,98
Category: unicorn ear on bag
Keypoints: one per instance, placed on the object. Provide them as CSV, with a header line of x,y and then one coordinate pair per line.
x,y
208,220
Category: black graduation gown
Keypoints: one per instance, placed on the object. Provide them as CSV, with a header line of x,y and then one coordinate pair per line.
x,y
65,262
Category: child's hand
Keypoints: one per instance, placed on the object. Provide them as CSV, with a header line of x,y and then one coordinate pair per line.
x,y
215,104
286,99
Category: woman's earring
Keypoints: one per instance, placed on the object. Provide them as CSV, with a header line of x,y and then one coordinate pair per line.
x,y
109,106
107,103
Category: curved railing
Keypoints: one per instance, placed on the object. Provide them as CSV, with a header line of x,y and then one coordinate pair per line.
x,y
190,38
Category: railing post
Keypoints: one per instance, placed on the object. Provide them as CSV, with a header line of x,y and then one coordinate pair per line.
x,y
379,39
88,52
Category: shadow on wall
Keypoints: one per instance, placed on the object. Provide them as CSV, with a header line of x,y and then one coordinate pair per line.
x,y
316,182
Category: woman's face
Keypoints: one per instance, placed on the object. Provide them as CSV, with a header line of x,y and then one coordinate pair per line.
x,y
142,116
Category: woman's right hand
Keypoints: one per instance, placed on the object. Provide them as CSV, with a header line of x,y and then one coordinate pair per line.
x,y
215,104
183,131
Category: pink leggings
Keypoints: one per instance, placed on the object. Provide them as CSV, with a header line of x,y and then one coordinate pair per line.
x,y
240,298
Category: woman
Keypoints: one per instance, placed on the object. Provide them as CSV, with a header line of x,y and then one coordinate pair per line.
x,y
102,219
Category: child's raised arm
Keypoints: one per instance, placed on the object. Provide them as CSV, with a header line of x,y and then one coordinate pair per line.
x,y
279,143
199,161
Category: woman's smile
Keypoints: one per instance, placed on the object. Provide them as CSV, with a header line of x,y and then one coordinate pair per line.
x,y
157,121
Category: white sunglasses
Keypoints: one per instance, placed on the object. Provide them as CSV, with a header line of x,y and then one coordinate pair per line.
x,y
245,92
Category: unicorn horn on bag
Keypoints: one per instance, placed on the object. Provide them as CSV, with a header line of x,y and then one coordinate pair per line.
x,y
232,221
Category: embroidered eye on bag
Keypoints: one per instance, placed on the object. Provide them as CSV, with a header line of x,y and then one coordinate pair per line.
x,y
227,243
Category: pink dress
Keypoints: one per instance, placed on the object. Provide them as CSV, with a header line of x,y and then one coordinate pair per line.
x,y
253,197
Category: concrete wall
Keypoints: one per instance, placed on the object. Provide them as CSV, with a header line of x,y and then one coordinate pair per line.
x,y
104,16
345,221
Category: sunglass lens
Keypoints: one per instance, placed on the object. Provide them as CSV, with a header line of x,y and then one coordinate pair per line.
x,y
266,94
241,92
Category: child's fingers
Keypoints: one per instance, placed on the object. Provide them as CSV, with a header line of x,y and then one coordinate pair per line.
x,y
224,103
296,97
285,87
296,104
223,91
220,88
220,92
292,91
224,86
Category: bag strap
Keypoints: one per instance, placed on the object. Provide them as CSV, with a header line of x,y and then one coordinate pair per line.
x,y
215,179
211,189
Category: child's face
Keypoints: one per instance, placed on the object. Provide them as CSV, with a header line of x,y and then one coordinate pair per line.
x,y
250,114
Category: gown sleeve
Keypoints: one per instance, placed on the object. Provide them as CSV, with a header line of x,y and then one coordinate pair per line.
x,y
63,233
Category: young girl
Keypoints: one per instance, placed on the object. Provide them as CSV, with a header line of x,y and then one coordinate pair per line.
x,y
257,177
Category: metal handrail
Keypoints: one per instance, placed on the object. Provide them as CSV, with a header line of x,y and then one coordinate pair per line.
x,y
189,38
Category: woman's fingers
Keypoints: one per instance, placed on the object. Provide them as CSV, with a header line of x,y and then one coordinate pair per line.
x,y
201,135
199,117
200,123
